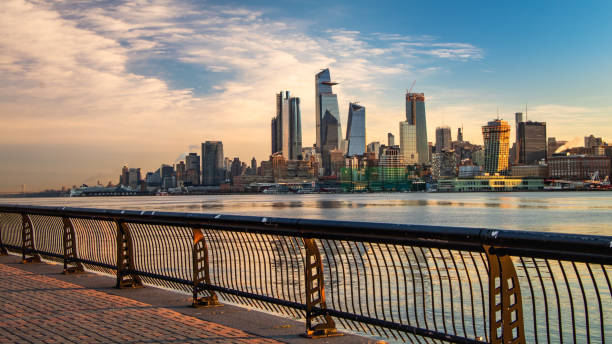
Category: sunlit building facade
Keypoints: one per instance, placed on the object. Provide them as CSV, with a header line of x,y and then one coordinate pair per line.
x,y
329,129
496,135
408,143
286,127
415,115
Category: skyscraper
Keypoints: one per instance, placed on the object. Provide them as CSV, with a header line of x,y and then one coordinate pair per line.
x,y
443,139
518,119
408,143
531,144
415,115
496,135
460,134
286,127
355,131
192,168
390,140
213,172
329,131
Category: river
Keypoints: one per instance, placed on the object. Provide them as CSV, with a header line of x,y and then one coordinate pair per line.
x,y
567,212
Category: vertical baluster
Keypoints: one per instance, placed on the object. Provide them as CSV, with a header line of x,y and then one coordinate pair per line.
x,y
201,272
126,278
28,251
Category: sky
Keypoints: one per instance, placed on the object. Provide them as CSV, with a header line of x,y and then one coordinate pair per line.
x,y
89,86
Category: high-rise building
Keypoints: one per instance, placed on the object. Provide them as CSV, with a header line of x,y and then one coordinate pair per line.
x,y
355,130
192,169
532,144
286,127
443,139
329,130
592,141
408,143
373,147
213,172
390,139
496,135
460,134
518,119
415,115
134,178
254,164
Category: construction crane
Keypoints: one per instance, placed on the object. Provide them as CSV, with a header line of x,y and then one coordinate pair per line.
x,y
411,86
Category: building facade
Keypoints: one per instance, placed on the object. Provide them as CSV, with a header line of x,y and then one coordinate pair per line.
x,y
531,142
443,139
213,171
415,115
578,167
355,131
329,130
496,135
408,143
286,126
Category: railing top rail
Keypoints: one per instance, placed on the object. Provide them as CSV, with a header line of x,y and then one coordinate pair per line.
x,y
592,248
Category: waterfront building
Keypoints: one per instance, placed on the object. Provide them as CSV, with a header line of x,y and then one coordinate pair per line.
x,y
213,171
415,115
531,142
329,130
286,126
181,171
518,119
355,130
373,147
134,178
469,171
578,167
254,164
390,140
408,143
391,163
529,171
490,183
124,178
192,169
496,135
443,139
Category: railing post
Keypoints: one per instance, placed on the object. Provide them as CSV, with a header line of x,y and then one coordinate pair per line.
x,y
315,295
70,252
126,278
505,302
28,251
3,250
201,272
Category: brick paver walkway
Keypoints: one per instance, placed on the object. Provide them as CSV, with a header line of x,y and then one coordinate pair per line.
x,y
40,309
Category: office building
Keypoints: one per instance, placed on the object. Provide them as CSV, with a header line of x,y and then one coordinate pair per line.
x,y
531,142
390,139
286,127
443,139
373,147
592,141
213,171
192,169
460,134
553,146
415,115
355,130
408,143
496,135
329,130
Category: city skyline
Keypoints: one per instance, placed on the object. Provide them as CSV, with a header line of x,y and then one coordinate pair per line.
x,y
138,83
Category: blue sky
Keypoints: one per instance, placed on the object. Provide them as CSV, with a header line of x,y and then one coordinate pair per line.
x,y
86,87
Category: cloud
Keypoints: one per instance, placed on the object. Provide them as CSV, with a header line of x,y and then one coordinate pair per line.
x,y
69,73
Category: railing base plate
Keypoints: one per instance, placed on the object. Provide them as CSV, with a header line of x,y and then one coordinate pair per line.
x,y
206,302
129,284
314,334
73,271
31,260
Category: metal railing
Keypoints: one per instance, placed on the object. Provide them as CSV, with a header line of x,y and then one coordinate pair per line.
x,y
404,282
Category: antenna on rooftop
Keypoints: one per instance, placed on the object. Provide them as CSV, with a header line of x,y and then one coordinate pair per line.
x,y
411,86
525,111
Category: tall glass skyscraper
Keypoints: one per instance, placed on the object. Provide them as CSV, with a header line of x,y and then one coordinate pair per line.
x,y
286,127
408,143
415,115
355,130
329,129
213,172
496,135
